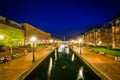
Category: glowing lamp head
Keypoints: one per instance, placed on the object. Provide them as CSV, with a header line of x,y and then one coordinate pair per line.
x,y
1,37
80,40
51,41
33,39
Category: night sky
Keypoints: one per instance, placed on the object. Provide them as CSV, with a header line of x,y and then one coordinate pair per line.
x,y
61,17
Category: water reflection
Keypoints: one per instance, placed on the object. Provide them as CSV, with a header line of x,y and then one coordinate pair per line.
x,y
49,69
55,55
80,73
73,57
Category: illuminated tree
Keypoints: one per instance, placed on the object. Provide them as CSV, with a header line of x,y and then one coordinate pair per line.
x,y
13,37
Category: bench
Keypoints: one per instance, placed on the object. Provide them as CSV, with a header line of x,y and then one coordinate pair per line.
x,y
2,60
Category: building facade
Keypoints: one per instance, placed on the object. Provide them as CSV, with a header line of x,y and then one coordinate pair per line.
x,y
91,37
99,37
106,36
10,23
116,32
31,31
25,30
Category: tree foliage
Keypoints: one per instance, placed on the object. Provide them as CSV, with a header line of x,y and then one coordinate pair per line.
x,y
13,37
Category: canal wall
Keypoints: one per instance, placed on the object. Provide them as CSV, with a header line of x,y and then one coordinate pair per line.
x,y
29,70
93,68
64,66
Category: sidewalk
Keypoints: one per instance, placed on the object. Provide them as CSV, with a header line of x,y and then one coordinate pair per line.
x,y
12,69
104,64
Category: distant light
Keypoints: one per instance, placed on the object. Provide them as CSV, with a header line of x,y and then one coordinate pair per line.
x,y
80,40
51,41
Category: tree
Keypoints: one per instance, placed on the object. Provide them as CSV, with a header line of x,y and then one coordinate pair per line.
x,y
13,37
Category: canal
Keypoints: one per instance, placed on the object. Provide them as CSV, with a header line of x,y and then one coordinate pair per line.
x,y
62,64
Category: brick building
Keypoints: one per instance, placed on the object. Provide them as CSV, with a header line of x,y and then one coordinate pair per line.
x,y
98,36
91,37
33,31
115,22
106,36
26,30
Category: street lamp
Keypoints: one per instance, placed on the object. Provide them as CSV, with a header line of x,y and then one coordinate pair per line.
x,y
80,41
33,39
1,38
51,42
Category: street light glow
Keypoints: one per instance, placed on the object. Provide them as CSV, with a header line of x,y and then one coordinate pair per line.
x,y
80,40
1,37
100,42
33,39
51,41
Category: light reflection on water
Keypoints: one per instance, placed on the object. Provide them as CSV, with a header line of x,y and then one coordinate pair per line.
x,y
73,57
80,73
49,69
55,55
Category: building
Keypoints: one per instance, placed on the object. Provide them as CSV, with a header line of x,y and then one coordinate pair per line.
x,y
106,36
115,22
92,37
80,36
12,36
10,23
31,31
99,36
23,32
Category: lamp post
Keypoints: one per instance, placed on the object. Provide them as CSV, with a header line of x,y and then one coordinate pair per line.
x,y
80,40
33,39
51,42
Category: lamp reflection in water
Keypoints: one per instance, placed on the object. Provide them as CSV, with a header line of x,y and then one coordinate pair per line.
x,y
55,55
80,73
80,41
49,69
73,56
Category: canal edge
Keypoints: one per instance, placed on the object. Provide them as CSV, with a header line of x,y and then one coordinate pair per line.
x,y
94,69
31,68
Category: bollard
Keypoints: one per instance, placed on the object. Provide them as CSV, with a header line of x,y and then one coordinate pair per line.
x,y
118,58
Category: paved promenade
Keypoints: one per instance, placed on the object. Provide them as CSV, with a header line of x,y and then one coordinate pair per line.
x,y
104,64
12,69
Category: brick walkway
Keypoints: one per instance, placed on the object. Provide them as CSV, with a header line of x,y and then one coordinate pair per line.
x,y
104,64
12,69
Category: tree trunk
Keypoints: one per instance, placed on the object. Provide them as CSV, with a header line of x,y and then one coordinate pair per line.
x,y
11,50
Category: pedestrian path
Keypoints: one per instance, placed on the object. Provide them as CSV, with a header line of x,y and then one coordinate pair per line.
x,y
104,64
12,69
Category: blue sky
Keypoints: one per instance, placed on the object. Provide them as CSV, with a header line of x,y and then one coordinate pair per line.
x,y
61,17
